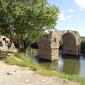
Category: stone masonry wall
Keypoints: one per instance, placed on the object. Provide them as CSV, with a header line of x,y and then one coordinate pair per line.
x,y
49,44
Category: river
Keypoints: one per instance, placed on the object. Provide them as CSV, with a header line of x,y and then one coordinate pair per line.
x,y
67,64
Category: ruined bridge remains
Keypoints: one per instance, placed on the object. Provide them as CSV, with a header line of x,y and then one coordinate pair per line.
x,y
49,44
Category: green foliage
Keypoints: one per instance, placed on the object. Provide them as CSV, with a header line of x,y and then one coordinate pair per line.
x,y
25,20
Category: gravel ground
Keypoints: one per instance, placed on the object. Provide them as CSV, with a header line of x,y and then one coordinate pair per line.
x,y
14,75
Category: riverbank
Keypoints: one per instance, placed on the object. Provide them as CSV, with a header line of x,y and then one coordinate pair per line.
x,y
15,75
24,61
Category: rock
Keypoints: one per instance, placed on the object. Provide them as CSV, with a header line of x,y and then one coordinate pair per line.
x,y
65,81
8,73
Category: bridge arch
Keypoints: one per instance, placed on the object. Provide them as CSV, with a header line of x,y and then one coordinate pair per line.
x,y
49,45
69,43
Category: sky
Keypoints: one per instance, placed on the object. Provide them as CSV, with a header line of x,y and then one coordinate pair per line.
x,y
72,15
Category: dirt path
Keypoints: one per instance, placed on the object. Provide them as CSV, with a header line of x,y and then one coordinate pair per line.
x,y
14,75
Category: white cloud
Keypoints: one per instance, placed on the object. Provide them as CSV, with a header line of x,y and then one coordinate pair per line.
x,y
71,10
68,17
62,16
81,3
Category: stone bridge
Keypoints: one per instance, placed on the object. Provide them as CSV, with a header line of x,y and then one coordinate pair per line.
x,y
49,44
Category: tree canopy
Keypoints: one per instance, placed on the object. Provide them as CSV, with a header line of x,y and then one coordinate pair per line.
x,y
24,20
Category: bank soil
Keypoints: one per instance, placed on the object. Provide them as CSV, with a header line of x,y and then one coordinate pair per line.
x,y
15,75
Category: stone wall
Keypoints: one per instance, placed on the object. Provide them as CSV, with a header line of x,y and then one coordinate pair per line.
x,y
49,44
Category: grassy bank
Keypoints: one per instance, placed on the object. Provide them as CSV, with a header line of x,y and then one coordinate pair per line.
x,y
23,60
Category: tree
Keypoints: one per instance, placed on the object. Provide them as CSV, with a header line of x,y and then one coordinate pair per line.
x,y
25,20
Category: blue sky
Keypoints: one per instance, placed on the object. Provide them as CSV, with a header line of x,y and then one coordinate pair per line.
x,y
72,16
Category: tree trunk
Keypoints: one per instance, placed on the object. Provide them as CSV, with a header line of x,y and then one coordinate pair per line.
x,y
21,46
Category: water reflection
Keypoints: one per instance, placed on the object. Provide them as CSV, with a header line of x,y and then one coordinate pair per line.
x,y
71,64
66,64
82,66
49,65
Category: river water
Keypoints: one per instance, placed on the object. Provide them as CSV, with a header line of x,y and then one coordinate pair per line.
x,y
67,64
